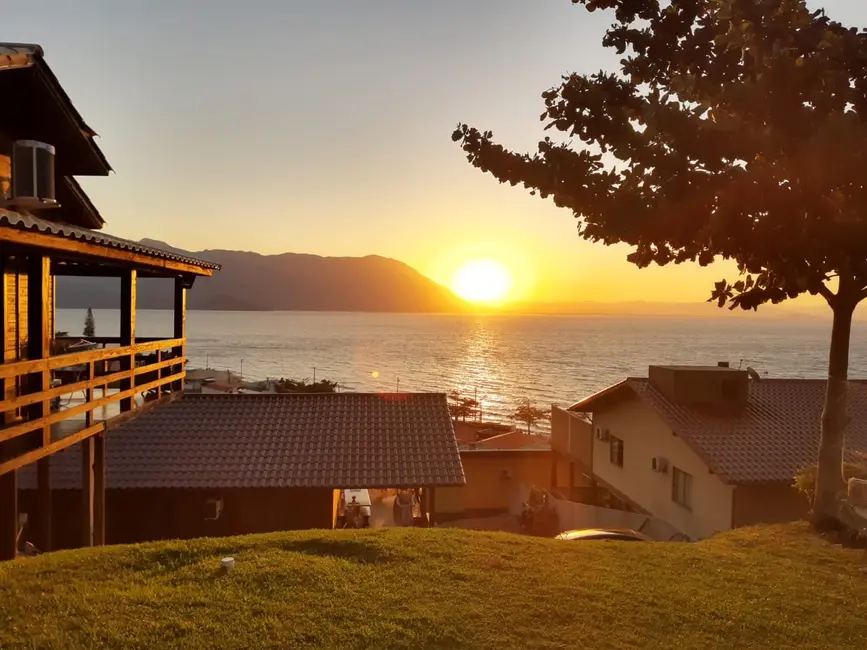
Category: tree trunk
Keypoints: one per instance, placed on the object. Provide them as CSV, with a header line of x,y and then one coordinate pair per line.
x,y
830,486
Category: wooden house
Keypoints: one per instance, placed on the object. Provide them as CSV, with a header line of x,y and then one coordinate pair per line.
x,y
49,228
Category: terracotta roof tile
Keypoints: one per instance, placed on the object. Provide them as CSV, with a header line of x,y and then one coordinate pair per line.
x,y
328,440
771,440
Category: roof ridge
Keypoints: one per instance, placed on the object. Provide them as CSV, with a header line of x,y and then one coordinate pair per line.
x,y
356,394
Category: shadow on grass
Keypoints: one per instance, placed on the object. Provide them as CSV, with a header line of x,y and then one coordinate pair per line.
x,y
351,550
166,560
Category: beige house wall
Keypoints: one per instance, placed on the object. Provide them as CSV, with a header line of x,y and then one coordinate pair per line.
x,y
644,436
488,488
571,435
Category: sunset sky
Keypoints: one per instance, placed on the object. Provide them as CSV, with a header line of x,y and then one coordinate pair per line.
x,y
323,127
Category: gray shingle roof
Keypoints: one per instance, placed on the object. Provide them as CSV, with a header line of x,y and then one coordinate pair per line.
x,y
329,440
771,440
26,222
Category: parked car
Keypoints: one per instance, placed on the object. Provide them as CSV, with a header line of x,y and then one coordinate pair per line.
x,y
610,534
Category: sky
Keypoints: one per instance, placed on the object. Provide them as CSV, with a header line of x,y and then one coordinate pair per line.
x,y
323,126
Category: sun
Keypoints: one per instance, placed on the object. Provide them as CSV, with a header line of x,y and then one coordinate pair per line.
x,y
482,281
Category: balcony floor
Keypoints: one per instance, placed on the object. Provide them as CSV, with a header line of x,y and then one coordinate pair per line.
x,y
76,423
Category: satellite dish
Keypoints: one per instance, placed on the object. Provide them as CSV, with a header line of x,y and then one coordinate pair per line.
x,y
753,374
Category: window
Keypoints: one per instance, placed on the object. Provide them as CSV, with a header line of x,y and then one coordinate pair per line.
x,y
615,451
681,488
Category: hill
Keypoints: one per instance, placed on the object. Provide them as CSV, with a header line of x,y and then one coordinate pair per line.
x,y
776,587
291,281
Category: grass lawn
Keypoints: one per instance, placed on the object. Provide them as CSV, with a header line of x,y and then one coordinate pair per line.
x,y
776,587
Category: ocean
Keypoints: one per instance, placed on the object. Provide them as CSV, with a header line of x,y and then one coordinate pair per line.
x,y
501,359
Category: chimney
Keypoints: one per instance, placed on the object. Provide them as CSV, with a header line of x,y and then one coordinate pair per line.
x,y
714,389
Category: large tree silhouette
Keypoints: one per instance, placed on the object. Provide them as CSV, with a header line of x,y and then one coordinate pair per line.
x,y
733,129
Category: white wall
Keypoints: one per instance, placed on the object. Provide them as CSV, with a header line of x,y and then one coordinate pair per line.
x,y
573,515
644,436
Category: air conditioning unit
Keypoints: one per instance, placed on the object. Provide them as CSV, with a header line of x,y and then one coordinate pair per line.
x,y
32,176
603,434
213,509
659,464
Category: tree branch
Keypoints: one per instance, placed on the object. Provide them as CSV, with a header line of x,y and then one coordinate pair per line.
x,y
826,293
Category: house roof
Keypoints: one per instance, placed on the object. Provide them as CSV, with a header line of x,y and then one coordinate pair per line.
x,y
19,221
771,440
82,211
509,440
330,440
28,59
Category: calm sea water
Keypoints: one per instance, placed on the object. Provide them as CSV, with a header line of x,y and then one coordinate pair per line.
x,y
549,359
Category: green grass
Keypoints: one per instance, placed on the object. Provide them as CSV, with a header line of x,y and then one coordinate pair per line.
x,y
777,587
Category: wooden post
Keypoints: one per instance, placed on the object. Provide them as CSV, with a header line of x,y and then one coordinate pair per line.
x,y
87,449
7,319
88,416
160,373
43,538
99,486
127,330
39,336
39,347
8,515
431,507
8,481
180,328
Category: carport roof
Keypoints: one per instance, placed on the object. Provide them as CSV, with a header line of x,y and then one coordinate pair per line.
x,y
333,440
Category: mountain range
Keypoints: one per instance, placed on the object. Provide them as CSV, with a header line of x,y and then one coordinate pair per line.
x,y
289,281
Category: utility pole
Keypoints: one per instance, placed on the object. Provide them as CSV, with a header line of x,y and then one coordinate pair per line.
x,y
478,404
398,384
242,370
314,374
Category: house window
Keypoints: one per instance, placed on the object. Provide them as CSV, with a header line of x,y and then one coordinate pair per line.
x,y
681,488
615,451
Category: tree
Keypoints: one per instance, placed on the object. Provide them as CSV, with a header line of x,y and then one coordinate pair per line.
x,y
460,406
89,324
734,129
305,386
528,414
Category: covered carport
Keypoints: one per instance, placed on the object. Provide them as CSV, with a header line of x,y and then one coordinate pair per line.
x,y
214,465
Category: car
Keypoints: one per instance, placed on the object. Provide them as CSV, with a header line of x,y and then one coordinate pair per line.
x,y
609,534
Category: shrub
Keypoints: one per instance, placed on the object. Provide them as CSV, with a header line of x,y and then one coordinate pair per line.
x,y
805,481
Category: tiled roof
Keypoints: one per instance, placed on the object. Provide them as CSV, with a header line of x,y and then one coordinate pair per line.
x,y
771,440
510,440
26,222
468,432
337,440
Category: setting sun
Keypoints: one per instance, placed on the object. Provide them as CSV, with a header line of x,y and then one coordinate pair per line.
x,y
482,281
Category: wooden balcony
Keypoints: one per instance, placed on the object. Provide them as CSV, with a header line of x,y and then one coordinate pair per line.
x,y
52,398
95,389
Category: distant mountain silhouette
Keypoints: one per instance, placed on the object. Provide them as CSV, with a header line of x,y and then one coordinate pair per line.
x,y
291,281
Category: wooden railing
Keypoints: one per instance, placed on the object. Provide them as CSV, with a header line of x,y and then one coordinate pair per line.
x,y
154,367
